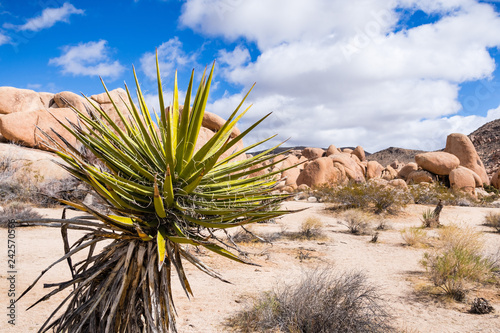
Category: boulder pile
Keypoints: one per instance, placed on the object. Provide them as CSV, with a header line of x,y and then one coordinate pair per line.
x,y
24,114
458,165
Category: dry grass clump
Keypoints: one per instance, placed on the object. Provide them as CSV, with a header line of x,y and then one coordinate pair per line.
x,y
416,237
311,228
321,303
493,220
17,211
357,221
458,264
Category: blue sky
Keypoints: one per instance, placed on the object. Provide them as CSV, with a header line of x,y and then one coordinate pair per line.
x,y
375,73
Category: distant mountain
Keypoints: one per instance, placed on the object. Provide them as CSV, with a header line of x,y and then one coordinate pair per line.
x,y
389,155
486,139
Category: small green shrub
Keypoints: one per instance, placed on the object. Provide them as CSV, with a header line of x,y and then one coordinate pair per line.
x,y
357,221
458,264
429,219
430,194
493,220
414,237
491,189
320,303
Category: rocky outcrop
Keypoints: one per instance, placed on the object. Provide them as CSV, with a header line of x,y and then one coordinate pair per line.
x,y
352,169
31,164
461,146
24,127
23,113
438,162
486,140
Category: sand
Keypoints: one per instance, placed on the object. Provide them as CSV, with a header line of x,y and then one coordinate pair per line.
x,y
392,267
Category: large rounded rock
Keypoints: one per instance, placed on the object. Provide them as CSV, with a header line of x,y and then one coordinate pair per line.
x,y
360,153
461,146
67,99
374,170
291,177
312,153
389,173
13,100
437,162
398,184
419,176
351,166
117,95
27,162
47,99
319,172
495,179
21,127
407,169
332,150
463,179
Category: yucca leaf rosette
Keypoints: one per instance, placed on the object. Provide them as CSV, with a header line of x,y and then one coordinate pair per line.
x,y
160,195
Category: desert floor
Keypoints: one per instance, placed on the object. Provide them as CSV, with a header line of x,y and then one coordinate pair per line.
x,y
390,265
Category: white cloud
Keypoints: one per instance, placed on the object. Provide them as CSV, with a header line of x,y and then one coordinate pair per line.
x,y
88,59
4,39
238,57
47,18
171,56
336,72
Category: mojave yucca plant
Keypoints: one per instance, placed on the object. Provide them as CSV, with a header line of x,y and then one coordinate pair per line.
x,y
161,195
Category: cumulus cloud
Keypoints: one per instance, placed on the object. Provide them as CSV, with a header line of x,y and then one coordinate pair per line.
x,y
171,56
47,18
345,72
238,57
88,59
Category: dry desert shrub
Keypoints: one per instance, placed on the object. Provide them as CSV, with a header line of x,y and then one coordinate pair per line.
x,y
458,264
20,183
493,220
416,237
17,211
431,194
320,303
370,195
357,221
247,235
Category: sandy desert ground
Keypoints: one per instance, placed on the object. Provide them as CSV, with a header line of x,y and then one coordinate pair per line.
x,y
394,268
